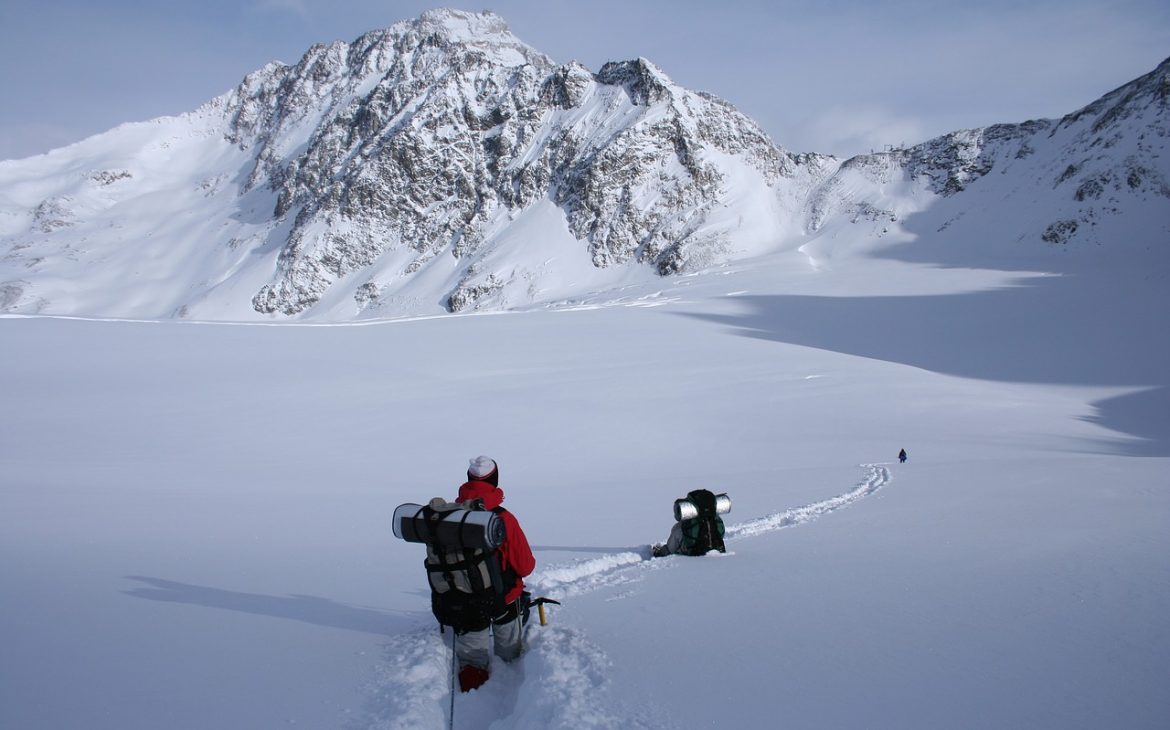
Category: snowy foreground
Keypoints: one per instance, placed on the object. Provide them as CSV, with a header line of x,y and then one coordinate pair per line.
x,y
195,519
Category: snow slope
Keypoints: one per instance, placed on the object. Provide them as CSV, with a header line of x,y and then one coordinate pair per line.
x,y
194,518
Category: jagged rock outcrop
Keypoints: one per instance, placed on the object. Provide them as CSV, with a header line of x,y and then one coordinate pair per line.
x,y
425,135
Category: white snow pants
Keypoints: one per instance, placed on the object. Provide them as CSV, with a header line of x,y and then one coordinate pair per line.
x,y
472,647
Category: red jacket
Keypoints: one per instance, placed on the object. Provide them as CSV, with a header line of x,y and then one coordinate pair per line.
x,y
514,552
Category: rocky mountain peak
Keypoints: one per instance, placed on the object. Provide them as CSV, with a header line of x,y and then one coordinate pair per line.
x,y
459,26
643,81
566,85
421,137
1148,95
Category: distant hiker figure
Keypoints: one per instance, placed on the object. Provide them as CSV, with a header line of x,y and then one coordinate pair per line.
x,y
902,456
515,562
698,528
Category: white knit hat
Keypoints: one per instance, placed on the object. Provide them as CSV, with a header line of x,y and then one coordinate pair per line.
x,y
480,467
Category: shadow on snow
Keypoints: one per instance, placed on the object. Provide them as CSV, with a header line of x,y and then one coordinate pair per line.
x,y
308,609
1057,330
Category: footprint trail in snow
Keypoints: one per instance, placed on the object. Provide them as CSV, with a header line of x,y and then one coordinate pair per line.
x,y
589,575
563,673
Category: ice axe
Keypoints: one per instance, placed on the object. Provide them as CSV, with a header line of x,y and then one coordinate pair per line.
x,y
539,603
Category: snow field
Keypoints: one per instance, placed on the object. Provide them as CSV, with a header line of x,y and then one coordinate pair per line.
x,y
198,510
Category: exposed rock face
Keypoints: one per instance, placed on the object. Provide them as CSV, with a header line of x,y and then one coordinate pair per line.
x,y
425,135
1116,144
1105,150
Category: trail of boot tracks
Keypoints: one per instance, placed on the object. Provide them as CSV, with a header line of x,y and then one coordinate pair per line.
x,y
586,576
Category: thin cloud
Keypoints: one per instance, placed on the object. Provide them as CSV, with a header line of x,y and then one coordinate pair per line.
x,y
849,131
297,8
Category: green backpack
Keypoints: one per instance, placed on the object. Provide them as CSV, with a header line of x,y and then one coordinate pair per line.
x,y
703,533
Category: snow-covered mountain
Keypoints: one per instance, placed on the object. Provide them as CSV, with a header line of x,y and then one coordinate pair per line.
x,y
443,165
1098,176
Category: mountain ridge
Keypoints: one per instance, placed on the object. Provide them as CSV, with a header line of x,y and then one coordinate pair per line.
x,y
390,176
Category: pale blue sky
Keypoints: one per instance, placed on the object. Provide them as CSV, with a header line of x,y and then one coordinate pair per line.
x,y
839,77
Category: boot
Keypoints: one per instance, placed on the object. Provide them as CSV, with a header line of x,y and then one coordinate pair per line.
x,y
472,677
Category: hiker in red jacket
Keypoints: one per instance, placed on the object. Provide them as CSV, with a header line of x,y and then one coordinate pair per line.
x,y
516,562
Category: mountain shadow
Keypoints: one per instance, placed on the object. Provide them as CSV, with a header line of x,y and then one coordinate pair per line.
x,y
1060,330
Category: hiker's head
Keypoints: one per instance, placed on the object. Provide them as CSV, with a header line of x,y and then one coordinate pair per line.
x,y
483,469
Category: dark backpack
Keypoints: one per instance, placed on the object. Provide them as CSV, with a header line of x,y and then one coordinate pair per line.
x,y
703,533
467,583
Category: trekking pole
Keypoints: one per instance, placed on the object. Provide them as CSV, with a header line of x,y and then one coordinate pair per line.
x,y
451,714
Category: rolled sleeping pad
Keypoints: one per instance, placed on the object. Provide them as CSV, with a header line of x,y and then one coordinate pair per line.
x,y
685,509
456,527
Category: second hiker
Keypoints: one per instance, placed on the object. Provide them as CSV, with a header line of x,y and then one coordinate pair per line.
x,y
698,528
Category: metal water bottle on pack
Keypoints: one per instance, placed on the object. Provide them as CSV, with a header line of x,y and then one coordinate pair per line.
x,y
685,509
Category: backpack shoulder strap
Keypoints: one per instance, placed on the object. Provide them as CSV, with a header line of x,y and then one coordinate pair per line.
x,y
431,517
508,575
